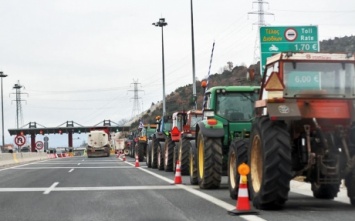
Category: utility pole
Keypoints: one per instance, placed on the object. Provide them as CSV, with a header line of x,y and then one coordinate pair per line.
x,y
18,100
261,23
136,109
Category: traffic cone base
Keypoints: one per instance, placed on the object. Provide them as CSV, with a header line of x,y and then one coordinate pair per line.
x,y
243,204
178,179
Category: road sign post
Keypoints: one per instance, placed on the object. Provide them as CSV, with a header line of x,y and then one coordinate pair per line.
x,y
283,39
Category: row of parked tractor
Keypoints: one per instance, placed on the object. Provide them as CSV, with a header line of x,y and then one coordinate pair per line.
x,y
300,121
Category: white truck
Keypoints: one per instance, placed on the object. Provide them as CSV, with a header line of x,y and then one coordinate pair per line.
x,y
98,144
119,143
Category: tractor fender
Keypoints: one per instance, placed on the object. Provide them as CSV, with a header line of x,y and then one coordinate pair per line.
x,y
210,131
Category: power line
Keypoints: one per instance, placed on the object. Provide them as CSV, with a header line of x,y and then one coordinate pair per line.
x,y
136,108
19,114
261,22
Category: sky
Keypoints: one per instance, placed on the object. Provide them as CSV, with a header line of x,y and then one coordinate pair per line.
x,y
77,60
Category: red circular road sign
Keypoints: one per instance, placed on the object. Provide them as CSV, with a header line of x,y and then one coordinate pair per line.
x,y
290,34
39,145
20,140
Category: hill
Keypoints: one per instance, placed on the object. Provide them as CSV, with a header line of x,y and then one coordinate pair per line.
x,y
181,98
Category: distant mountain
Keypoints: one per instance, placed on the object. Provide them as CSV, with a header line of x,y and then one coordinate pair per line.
x,y
181,98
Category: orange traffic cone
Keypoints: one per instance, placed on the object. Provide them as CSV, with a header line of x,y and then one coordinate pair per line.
x,y
243,205
137,162
178,179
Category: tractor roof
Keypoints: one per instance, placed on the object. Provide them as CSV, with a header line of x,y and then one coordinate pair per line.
x,y
234,88
308,56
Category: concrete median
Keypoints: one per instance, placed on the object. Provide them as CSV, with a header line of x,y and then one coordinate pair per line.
x,y
8,159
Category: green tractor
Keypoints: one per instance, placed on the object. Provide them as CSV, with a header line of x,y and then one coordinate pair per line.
x,y
144,136
155,150
227,118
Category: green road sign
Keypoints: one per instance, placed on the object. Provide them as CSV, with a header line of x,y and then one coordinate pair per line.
x,y
274,40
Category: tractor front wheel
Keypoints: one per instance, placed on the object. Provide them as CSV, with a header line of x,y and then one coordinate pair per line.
x,y
147,157
237,155
193,164
183,154
168,154
209,163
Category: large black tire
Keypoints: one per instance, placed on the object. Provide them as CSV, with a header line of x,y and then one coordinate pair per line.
x,y
209,162
168,154
269,157
160,156
133,148
147,156
325,191
184,146
350,185
141,150
237,155
154,155
193,164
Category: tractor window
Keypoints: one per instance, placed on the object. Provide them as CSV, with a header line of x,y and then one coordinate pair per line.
x,y
194,120
329,79
236,106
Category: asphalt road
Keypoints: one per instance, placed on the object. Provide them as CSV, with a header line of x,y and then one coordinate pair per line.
x,y
82,189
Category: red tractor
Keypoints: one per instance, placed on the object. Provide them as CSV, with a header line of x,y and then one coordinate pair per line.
x,y
304,126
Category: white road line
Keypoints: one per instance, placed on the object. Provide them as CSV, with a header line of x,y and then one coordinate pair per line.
x,y
51,188
70,170
205,196
82,167
83,160
67,189
13,167
78,164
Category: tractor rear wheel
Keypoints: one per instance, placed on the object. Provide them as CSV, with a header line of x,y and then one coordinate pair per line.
x,y
193,164
325,191
153,153
183,154
350,185
209,163
269,157
168,154
141,147
237,155
160,156
147,157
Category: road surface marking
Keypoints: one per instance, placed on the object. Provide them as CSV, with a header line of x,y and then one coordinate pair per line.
x,y
78,164
70,170
202,195
51,188
68,189
44,168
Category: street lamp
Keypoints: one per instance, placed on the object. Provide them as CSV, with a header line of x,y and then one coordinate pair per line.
x,y
194,96
2,75
161,23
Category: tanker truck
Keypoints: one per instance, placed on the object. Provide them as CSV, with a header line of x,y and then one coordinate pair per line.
x,y
98,144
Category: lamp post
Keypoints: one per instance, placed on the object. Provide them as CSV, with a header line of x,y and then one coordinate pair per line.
x,y
194,97
161,23
2,75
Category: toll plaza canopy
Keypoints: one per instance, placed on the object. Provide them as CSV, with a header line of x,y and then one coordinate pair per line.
x,y
68,127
